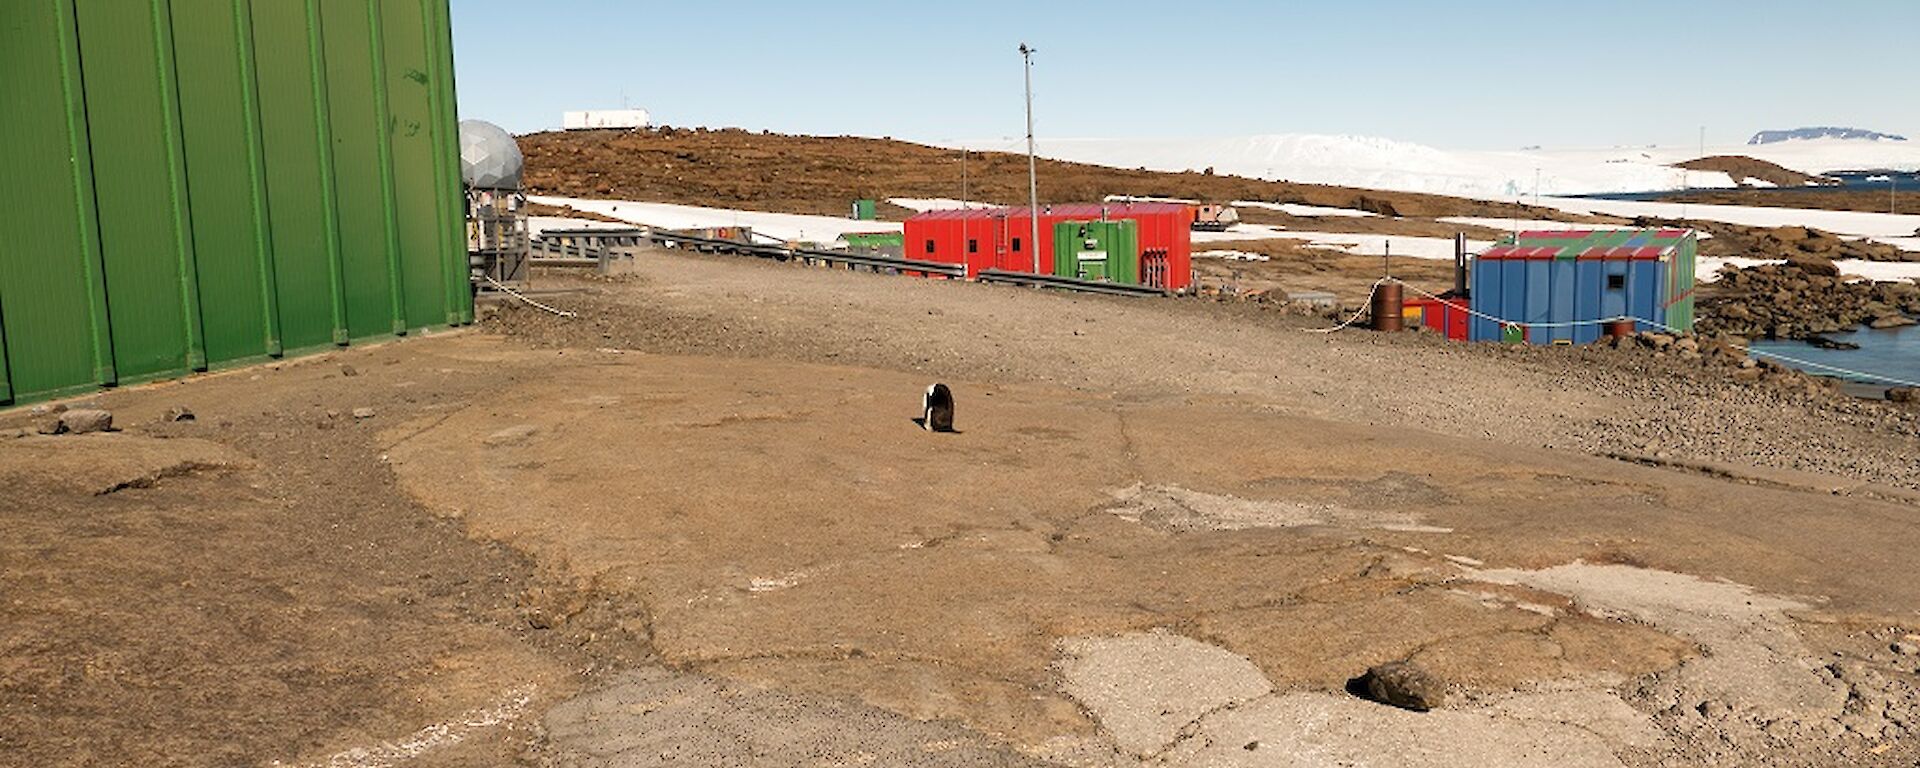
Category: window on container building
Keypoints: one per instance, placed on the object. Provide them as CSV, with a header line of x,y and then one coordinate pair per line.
x,y
973,246
929,246
1016,245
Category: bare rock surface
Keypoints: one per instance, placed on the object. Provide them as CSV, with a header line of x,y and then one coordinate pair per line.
x,y
1144,688
1173,508
655,717
1754,660
1312,730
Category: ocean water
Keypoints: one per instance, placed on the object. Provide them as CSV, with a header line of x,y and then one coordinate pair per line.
x,y
1893,353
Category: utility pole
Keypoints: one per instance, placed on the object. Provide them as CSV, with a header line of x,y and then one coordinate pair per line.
x,y
963,198
1033,183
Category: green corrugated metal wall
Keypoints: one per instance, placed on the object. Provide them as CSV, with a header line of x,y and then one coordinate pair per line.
x,y
208,182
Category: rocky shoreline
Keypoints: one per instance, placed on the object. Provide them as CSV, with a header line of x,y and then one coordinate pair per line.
x,y
1802,299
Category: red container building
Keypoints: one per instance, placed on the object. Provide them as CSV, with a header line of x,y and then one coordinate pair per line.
x,y
1447,317
997,238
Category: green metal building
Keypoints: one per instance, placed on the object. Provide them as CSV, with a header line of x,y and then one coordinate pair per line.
x,y
201,183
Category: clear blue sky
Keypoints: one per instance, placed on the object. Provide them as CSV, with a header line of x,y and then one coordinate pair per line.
x,y
1464,74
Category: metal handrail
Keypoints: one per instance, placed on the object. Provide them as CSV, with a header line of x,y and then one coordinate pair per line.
x,y
1068,283
842,257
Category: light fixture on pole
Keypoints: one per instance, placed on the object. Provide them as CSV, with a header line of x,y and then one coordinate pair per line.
x,y
1033,184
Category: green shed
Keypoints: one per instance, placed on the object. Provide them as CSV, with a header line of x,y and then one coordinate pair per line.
x,y
1098,250
202,183
875,240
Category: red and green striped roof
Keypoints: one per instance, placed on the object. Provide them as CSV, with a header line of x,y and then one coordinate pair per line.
x,y
1648,244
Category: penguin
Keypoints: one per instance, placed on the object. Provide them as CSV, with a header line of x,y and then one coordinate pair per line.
x,y
936,409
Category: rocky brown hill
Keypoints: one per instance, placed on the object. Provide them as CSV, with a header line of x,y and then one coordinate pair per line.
x,y
1741,168
734,168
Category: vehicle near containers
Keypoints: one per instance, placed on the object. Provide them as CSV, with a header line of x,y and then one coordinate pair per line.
x,y
1214,218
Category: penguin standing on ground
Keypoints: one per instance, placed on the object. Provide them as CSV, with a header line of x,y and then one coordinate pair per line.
x,y
936,409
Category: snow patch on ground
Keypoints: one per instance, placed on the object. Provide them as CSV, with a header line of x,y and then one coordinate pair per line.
x,y
1299,209
1232,255
1520,224
785,226
924,204
1357,244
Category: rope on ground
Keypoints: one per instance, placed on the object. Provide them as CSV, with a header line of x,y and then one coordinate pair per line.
x,y
522,297
1356,313
1747,348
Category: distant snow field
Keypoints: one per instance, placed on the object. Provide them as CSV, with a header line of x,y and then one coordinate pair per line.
x,y
1378,163
1879,227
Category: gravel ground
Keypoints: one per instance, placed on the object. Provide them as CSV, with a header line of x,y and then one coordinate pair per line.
x,y
1591,399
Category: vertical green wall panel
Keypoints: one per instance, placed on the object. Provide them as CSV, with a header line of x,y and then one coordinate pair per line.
x,y
228,225
52,303
204,181
359,190
298,175
410,132
138,184
447,137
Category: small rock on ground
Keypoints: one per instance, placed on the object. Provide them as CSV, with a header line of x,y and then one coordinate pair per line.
x,y
80,421
1405,685
363,413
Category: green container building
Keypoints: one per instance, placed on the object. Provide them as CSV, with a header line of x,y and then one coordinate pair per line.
x,y
866,210
201,183
1098,250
